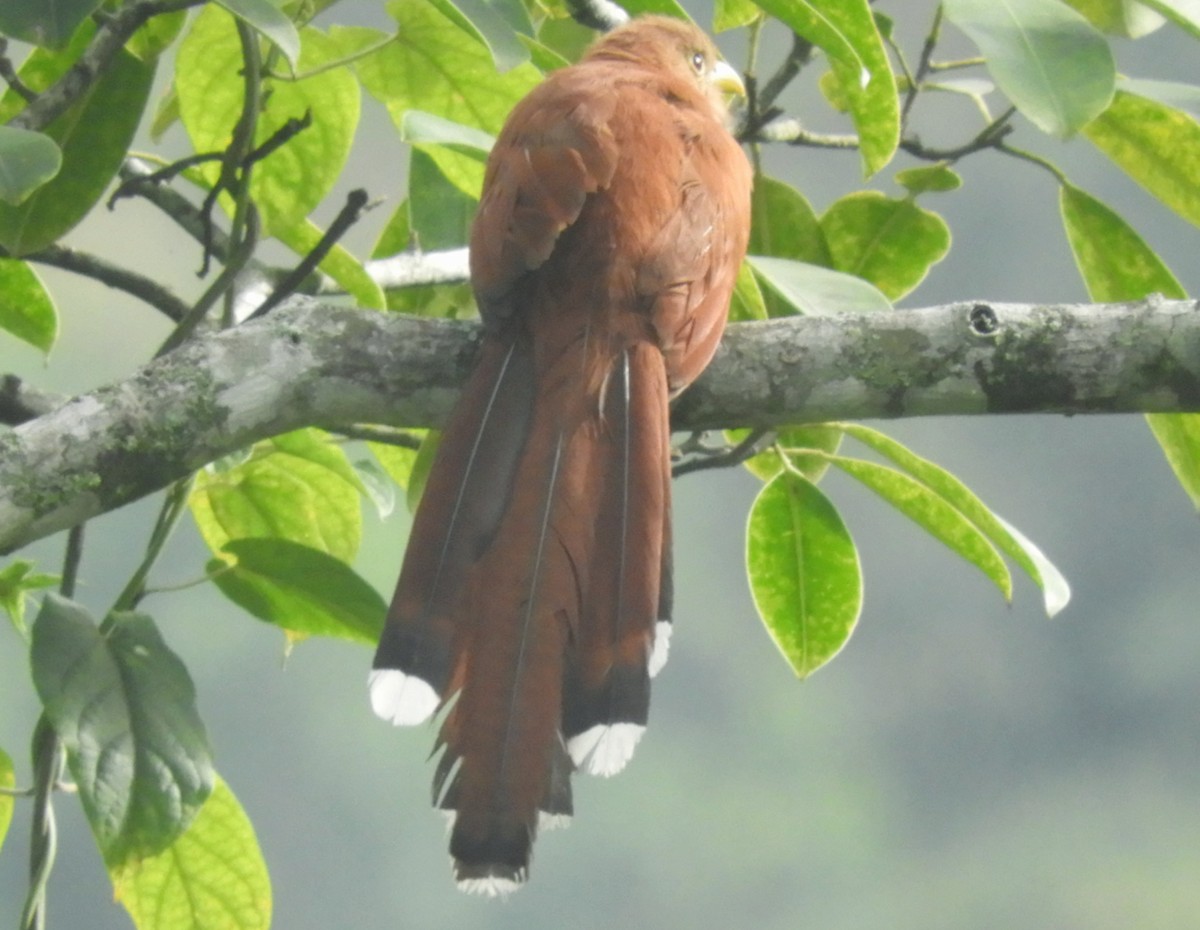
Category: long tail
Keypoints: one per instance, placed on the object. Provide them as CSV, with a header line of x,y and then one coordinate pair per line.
x,y
529,597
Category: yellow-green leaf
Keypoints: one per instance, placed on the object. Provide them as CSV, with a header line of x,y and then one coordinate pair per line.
x,y
1156,145
212,878
891,243
804,572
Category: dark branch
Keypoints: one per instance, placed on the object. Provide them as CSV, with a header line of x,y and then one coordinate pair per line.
x,y
94,62
91,266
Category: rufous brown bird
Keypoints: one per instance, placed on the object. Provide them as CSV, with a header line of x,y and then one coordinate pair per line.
x,y
535,595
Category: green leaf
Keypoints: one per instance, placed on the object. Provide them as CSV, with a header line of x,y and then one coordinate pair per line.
x,y
156,35
846,31
26,308
1055,590
299,589
494,30
417,127
439,212
49,24
1128,19
1053,65
1179,436
420,469
792,443
784,225
934,179
212,877
377,486
438,67
748,301
266,17
93,136
1157,146
1174,94
1183,13
293,179
17,580
124,707
732,14
27,161
1115,262
397,461
891,243
804,572
8,782
298,487
934,514
663,7
817,291
1117,265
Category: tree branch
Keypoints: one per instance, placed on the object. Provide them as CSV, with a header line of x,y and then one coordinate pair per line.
x,y
310,363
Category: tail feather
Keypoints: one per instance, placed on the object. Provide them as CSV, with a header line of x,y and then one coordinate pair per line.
x,y
463,503
530,600
608,691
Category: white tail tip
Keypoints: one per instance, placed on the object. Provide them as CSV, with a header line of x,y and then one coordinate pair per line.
x,y
404,700
605,748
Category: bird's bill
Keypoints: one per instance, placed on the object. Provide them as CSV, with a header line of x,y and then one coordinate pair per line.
x,y
726,79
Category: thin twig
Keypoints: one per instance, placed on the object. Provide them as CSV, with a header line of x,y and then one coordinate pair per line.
x,y
9,74
923,63
91,266
172,509
990,137
386,435
218,289
724,457
356,203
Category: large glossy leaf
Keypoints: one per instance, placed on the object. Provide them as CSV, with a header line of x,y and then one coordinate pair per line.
x,y
7,782
26,308
300,590
439,213
437,66
93,136
934,514
48,23
1117,264
1157,146
818,291
1055,590
267,18
293,179
124,707
27,161
891,243
804,572
846,31
211,878
1053,65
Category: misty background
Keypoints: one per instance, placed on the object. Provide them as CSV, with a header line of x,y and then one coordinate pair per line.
x,y
962,764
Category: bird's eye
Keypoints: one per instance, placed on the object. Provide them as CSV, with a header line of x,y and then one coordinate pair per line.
x,y
698,62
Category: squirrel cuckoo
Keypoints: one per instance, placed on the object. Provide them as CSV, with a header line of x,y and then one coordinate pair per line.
x,y
535,595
